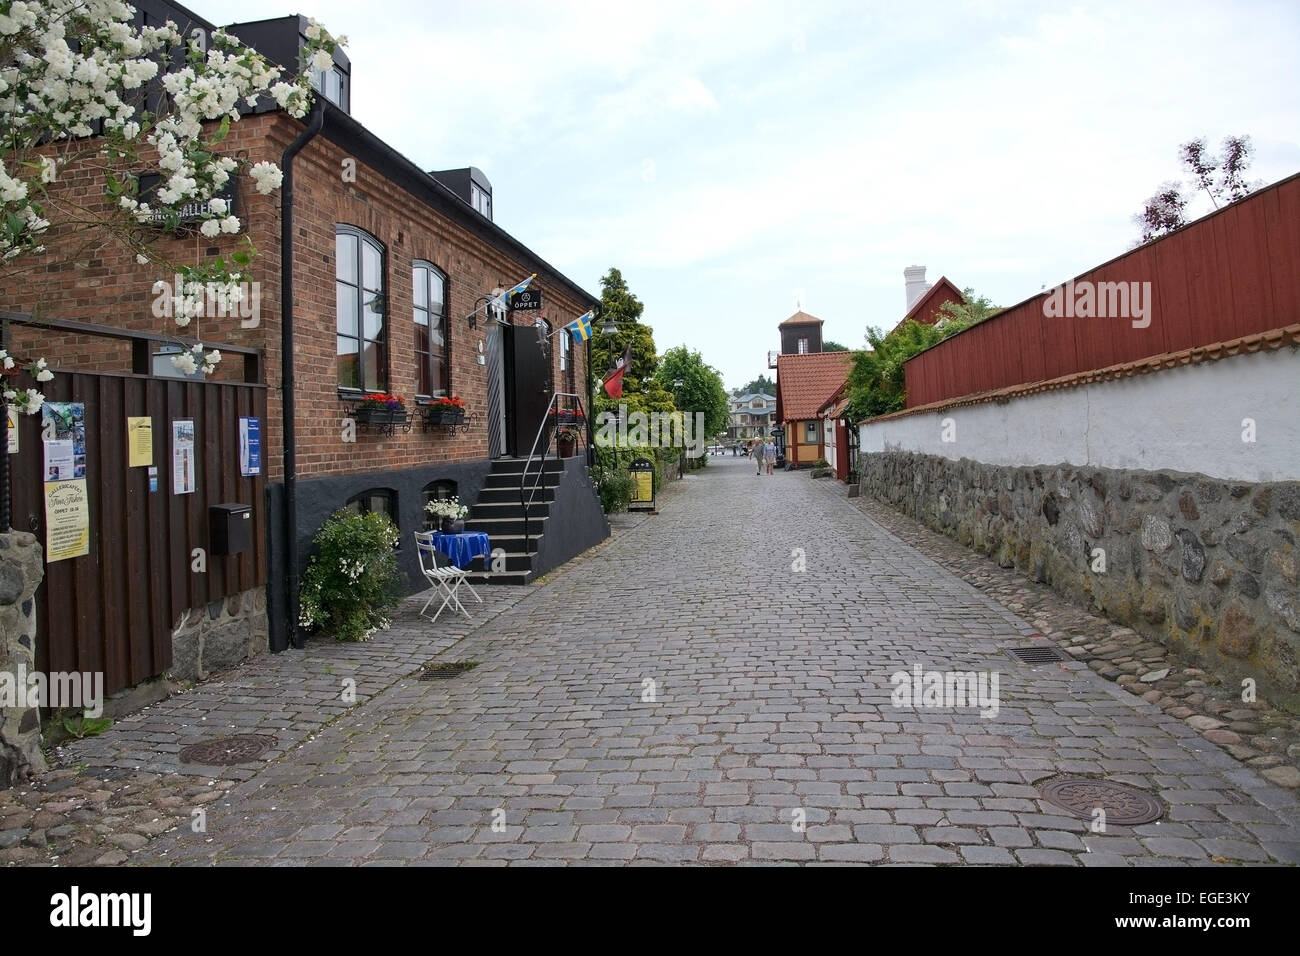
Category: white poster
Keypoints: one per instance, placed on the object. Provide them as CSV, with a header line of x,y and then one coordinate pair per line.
x,y
183,457
59,461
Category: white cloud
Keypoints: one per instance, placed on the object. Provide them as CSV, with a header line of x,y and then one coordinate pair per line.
x,y
996,143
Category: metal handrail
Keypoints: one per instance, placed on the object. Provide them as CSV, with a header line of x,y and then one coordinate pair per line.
x,y
527,503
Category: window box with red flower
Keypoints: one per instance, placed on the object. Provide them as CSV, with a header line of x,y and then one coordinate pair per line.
x,y
566,416
449,410
380,408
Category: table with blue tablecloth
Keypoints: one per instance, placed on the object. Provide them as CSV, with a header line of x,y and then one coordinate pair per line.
x,y
464,547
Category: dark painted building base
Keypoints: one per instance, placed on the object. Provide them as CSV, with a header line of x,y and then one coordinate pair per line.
x,y
576,521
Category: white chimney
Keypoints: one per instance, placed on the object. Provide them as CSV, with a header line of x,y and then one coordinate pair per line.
x,y
914,276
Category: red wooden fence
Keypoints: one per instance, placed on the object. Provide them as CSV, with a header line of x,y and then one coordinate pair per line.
x,y
1235,272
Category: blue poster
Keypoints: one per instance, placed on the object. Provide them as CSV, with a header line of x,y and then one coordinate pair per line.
x,y
250,447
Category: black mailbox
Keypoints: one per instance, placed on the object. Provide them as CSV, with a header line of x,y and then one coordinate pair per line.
x,y
231,528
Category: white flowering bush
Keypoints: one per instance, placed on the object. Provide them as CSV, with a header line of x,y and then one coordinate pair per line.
x,y
447,508
25,401
351,581
197,359
73,81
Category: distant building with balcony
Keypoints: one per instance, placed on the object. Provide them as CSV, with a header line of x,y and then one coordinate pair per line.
x,y
751,416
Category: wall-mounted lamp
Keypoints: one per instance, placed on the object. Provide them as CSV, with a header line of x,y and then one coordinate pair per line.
x,y
482,359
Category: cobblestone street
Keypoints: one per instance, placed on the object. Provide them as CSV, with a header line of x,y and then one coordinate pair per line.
x,y
770,703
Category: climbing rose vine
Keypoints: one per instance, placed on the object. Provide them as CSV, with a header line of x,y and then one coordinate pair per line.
x,y
73,81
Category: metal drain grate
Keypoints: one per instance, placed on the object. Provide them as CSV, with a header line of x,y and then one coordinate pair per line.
x,y
1037,654
228,751
445,670
1124,806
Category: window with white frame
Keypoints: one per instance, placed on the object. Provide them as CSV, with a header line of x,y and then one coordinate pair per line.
x,y
429,297
361,317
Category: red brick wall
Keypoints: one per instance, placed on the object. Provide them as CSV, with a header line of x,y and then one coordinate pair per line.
x,y
106,286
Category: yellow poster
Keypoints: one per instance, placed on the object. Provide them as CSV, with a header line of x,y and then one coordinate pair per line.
x,y
139,440
67,520
13,431
643,488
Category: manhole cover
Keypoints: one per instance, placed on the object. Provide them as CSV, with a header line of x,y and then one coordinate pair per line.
x,y
443,670
1125,806
1037,654
228,751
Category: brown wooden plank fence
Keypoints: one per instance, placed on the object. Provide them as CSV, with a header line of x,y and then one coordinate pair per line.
x,y
114,609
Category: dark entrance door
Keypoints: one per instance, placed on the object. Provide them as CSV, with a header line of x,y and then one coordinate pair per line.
x,y
528,385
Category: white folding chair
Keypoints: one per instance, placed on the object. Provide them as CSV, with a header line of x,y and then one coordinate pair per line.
x,y
446,578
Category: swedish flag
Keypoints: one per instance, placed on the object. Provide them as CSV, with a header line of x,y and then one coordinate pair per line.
x,y
580,328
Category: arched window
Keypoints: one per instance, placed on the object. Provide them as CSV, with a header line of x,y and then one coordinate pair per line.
x,y
439,490
361,320
382,500
432,341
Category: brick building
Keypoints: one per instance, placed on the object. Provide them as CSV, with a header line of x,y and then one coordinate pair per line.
x,y
388,263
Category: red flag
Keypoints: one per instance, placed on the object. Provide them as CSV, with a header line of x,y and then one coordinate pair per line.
x,y
614,378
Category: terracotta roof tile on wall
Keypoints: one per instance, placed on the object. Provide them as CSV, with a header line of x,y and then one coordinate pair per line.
x,y
804,383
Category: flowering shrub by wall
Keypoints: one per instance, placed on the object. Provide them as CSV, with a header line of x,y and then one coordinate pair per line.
x,y
351,581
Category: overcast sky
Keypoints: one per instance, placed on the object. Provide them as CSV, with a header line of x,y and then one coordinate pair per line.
x,y
731,159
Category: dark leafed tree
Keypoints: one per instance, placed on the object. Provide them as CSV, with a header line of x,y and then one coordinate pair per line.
x,y
761,385
829,346
1222,177
1164,212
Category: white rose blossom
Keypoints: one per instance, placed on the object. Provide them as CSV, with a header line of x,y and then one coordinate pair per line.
x,y
70,65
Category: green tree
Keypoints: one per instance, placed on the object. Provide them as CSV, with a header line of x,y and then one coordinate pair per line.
x,y
876,382
701,391
618,302
641,390
975,308
834,347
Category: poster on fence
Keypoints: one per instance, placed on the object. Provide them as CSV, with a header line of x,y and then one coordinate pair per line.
x,y
139,441
250,447
183,457
67,520
63,433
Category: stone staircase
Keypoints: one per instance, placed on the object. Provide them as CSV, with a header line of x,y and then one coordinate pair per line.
x,y
499,512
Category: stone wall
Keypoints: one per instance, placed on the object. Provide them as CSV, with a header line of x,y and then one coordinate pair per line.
x,y
219,635
1208,567
21,571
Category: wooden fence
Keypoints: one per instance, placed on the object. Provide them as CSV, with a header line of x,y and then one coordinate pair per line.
x,y
1231,274
114,609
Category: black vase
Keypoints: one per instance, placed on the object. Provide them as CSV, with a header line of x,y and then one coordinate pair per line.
x,y
453,525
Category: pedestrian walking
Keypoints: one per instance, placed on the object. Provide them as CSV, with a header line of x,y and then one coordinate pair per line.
x,y
769,453
758,457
